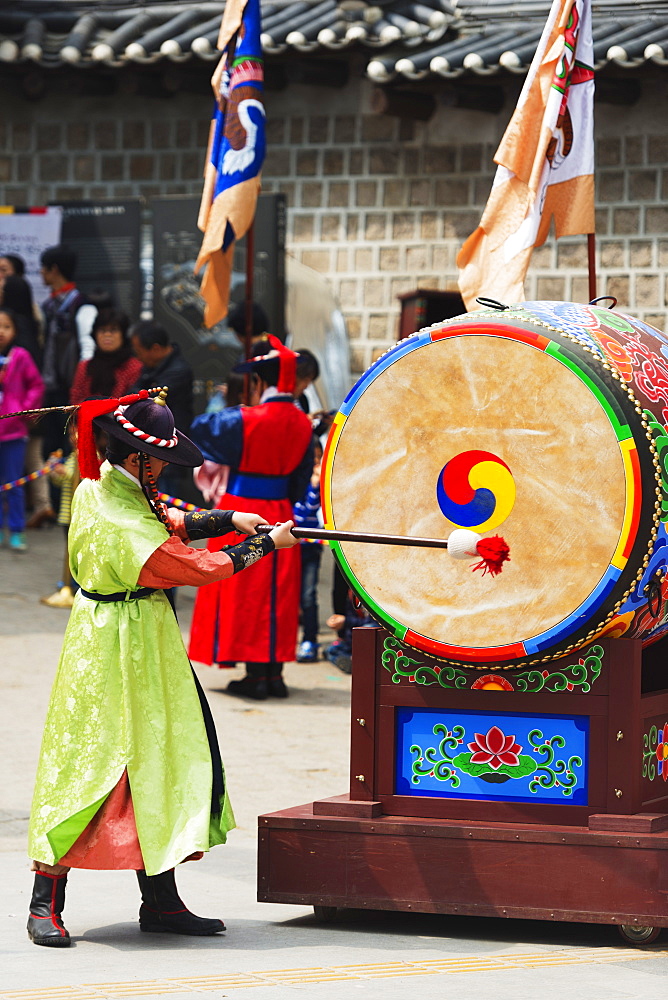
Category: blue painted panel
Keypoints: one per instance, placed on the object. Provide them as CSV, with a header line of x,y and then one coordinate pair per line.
x,y
500,757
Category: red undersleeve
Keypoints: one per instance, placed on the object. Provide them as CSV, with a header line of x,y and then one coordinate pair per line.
x,y
175,565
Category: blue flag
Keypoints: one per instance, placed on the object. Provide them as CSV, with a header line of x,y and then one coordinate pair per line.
x,y
236,152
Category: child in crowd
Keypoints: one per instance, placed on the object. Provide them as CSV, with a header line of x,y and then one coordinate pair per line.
x,y
307,515
21,388
356,616
65,475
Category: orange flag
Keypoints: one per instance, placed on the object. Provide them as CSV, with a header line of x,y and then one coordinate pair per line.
x,y
235,153
545,162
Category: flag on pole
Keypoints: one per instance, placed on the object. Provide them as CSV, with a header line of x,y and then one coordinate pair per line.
x,y
235,152
545,162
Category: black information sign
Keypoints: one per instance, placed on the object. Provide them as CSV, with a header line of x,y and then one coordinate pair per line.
x,y
106,236
177,302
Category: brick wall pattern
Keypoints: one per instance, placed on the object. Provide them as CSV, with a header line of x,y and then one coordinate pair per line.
x,y
378,205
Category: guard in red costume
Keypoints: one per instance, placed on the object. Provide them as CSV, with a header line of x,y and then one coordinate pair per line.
x,y
269,450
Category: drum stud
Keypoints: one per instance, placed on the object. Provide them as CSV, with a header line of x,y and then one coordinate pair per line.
x,y
359,777
618,793
620,736
362,722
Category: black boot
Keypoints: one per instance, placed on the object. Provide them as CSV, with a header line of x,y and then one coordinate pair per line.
x,y
162,909
253,685
46,906
277,688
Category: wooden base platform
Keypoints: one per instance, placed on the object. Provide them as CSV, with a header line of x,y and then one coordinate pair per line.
x,y
349,857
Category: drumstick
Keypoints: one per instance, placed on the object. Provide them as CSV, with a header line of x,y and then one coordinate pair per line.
x,y
361,536
462,543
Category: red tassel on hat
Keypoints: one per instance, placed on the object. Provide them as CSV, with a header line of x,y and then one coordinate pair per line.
x,y
89,463
493,552
287,361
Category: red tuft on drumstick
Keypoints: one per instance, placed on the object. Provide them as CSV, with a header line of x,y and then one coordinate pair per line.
x,y
494,552
466,544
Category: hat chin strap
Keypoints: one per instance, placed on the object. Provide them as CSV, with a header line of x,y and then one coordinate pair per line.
x,y
151,488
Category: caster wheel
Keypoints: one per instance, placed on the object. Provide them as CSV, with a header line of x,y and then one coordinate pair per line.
x,y
633,934
325,914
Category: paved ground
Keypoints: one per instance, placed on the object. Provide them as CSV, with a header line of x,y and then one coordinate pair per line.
x,y
277,754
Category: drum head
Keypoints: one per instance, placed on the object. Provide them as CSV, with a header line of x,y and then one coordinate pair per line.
x,y
466,428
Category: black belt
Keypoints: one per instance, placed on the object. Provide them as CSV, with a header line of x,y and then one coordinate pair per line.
x,y
124,595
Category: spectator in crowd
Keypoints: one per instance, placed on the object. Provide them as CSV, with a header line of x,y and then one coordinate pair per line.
x,y
163,364
11,263
113,369
307,515
65,475
21,388
16,294
308,370
69,319
236,320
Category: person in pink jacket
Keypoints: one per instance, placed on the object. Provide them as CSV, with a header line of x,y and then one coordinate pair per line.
x,y
21,388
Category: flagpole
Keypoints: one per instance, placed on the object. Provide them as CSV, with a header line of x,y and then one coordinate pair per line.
x,y
250,276
591,254
248,305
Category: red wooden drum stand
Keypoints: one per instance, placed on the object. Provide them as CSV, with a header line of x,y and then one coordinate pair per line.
x,y
537,793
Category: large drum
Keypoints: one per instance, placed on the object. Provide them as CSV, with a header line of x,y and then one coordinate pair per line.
x,y
544,423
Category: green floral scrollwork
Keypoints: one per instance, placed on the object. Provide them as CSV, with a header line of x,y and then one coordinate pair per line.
x,y
650,743
660,439
581,675
438,763
551,772
395,660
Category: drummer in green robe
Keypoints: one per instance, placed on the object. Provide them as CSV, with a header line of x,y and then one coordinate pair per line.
x,y
130,774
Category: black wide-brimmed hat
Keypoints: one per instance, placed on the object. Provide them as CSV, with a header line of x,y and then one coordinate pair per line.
x,y
148,425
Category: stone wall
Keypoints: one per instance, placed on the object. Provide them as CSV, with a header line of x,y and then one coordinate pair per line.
x,y
378,205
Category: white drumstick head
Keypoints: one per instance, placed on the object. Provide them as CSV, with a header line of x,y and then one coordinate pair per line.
x,y
462,543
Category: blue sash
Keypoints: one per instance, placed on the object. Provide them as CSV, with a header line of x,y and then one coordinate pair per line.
x,y
241,484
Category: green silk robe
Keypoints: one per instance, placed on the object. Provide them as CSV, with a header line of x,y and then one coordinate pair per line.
x,y
124,697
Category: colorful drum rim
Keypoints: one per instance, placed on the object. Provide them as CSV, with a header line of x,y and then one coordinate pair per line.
x,y
536,647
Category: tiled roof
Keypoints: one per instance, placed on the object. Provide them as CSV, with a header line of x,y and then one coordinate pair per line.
x,y
413,39
114,34
499,35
